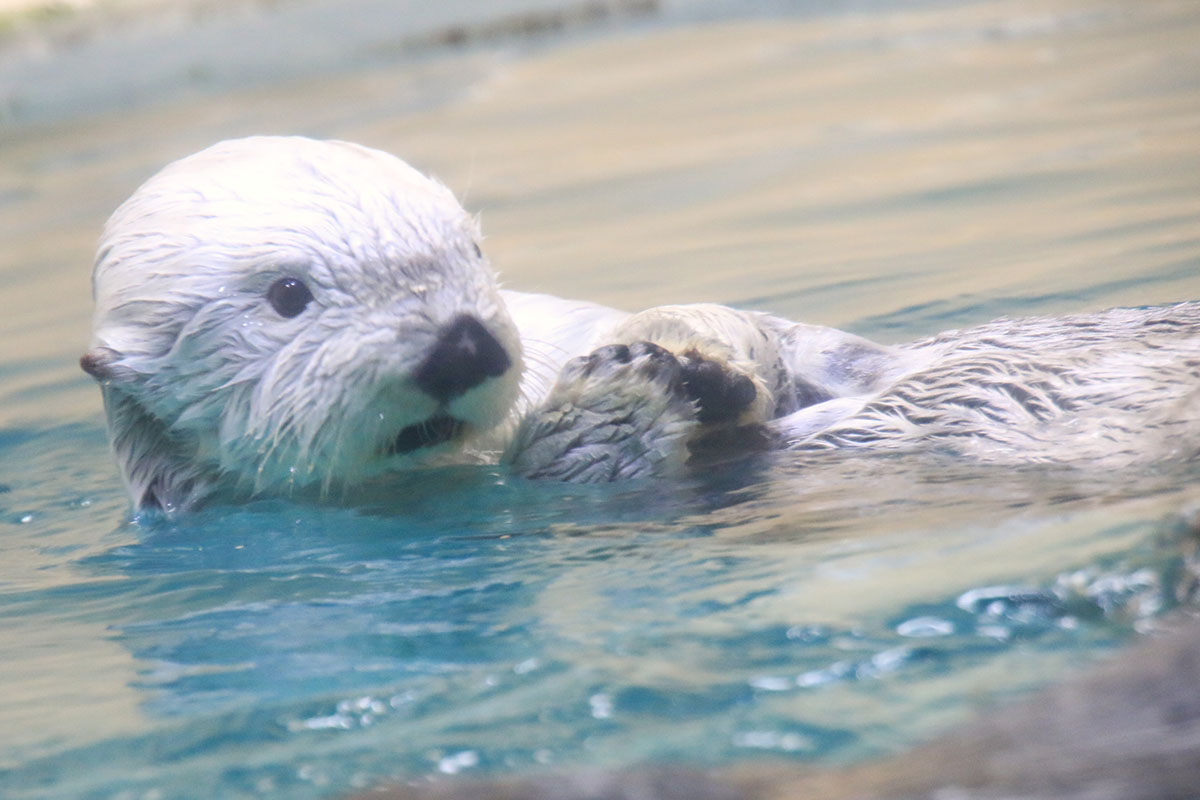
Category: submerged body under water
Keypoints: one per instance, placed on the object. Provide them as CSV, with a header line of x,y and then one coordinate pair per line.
x,y
894,173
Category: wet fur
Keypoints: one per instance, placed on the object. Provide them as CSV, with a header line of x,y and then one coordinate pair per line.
x,y
1106,389
1100,390
208,390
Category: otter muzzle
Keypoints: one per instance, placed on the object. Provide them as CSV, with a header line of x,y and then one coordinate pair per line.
x,y
466,354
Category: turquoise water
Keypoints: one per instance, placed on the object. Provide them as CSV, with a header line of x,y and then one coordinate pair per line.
x,y
892,171
470,623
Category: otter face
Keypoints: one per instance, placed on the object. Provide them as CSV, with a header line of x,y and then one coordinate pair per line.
x,y
283,312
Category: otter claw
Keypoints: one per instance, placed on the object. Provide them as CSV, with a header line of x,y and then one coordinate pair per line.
x,y
620,412
627,411
721,394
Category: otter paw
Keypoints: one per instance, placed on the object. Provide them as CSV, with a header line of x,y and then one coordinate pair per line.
x,y
620,412
721,394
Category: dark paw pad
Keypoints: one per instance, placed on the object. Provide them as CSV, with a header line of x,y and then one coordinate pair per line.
x,y
613,352
655,361
646,359
720,394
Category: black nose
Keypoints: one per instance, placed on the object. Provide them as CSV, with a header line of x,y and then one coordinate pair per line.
x,y
465,356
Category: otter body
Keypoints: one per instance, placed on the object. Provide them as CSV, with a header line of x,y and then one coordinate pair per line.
x,y
1116,387
1107,389
278,315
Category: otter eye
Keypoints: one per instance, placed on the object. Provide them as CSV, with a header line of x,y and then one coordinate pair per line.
x,y
289,296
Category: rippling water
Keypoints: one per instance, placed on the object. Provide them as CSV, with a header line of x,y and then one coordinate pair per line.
x,y
894,171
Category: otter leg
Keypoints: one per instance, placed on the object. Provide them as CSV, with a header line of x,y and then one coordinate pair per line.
x,y
731,359
629,411
624,411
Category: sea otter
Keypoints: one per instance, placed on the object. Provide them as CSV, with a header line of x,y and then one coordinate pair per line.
x,y
278,315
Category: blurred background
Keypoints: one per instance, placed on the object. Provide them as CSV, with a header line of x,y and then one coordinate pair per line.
x,y
892,168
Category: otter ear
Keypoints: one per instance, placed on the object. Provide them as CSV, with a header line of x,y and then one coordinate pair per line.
x,y
157,470
104,364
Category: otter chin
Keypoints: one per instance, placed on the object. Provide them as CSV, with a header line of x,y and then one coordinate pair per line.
x,y
278,314
427,433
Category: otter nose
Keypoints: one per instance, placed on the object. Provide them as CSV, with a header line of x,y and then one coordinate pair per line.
x,y
465,356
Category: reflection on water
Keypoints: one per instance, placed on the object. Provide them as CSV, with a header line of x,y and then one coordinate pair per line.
x,y
290,650
894,171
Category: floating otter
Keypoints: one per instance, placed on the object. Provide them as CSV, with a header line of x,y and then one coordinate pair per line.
x,y
277,314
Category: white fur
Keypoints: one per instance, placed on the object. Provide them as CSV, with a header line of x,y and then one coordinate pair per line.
x,y
205,384
1101,390
1104,390
208,388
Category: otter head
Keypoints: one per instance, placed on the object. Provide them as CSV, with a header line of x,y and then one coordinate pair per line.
x,y
275,313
